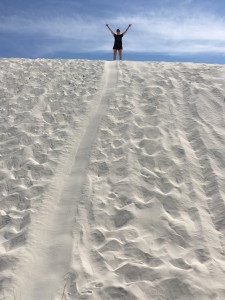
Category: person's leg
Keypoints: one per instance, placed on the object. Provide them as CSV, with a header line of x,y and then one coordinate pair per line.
x,y
120,54
114,54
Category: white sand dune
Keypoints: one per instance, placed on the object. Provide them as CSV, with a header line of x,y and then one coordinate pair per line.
x,y
112,180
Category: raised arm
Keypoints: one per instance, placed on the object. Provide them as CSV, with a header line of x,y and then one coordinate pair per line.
x,y
107,25
126,29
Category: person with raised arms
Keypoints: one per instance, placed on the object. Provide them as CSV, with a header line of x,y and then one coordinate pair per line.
x,y
118,46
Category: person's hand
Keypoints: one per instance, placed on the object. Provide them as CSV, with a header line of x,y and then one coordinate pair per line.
x,y
130,25
107,25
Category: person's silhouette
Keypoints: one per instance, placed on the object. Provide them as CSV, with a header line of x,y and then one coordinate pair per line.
x,y
118,46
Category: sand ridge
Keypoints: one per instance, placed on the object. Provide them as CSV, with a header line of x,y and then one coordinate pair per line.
x,y
134,203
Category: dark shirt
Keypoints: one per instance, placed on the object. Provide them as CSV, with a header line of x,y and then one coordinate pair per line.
x,y
118,41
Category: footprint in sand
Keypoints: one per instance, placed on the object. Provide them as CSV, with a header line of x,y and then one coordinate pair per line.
x,y
97,237
37,91
164,185
7,262
15,240
156,90
123,200
178,151
180,263
149,146
48,117
117,143
152,132
146,161
116,293
174,288
136,273
100,168
140,256
171,206
149,110
112,245
5,219
122,218
202,255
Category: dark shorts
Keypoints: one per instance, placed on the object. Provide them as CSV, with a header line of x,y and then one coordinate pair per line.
x,y
117,48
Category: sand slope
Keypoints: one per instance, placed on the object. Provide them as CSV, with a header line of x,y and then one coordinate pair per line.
x,y
112,180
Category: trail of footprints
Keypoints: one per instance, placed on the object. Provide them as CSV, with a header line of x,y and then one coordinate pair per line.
x,y
39,104
139,171
207,158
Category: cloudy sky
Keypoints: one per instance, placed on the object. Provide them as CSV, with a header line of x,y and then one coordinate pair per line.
x,y
169,30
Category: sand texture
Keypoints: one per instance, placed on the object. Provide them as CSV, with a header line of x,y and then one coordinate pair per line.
x,y
112,180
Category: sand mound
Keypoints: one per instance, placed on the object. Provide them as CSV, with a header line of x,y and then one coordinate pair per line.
x,y
112,180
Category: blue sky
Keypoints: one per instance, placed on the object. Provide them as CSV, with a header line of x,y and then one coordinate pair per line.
x,y
167,30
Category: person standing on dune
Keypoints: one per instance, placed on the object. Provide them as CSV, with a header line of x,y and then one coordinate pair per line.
x,y
118,47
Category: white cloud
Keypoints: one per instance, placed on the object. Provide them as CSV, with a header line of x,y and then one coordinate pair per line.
x,y
65,28
176,33
163,32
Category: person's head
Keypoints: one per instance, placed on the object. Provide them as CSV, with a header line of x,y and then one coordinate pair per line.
x,y
117,31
